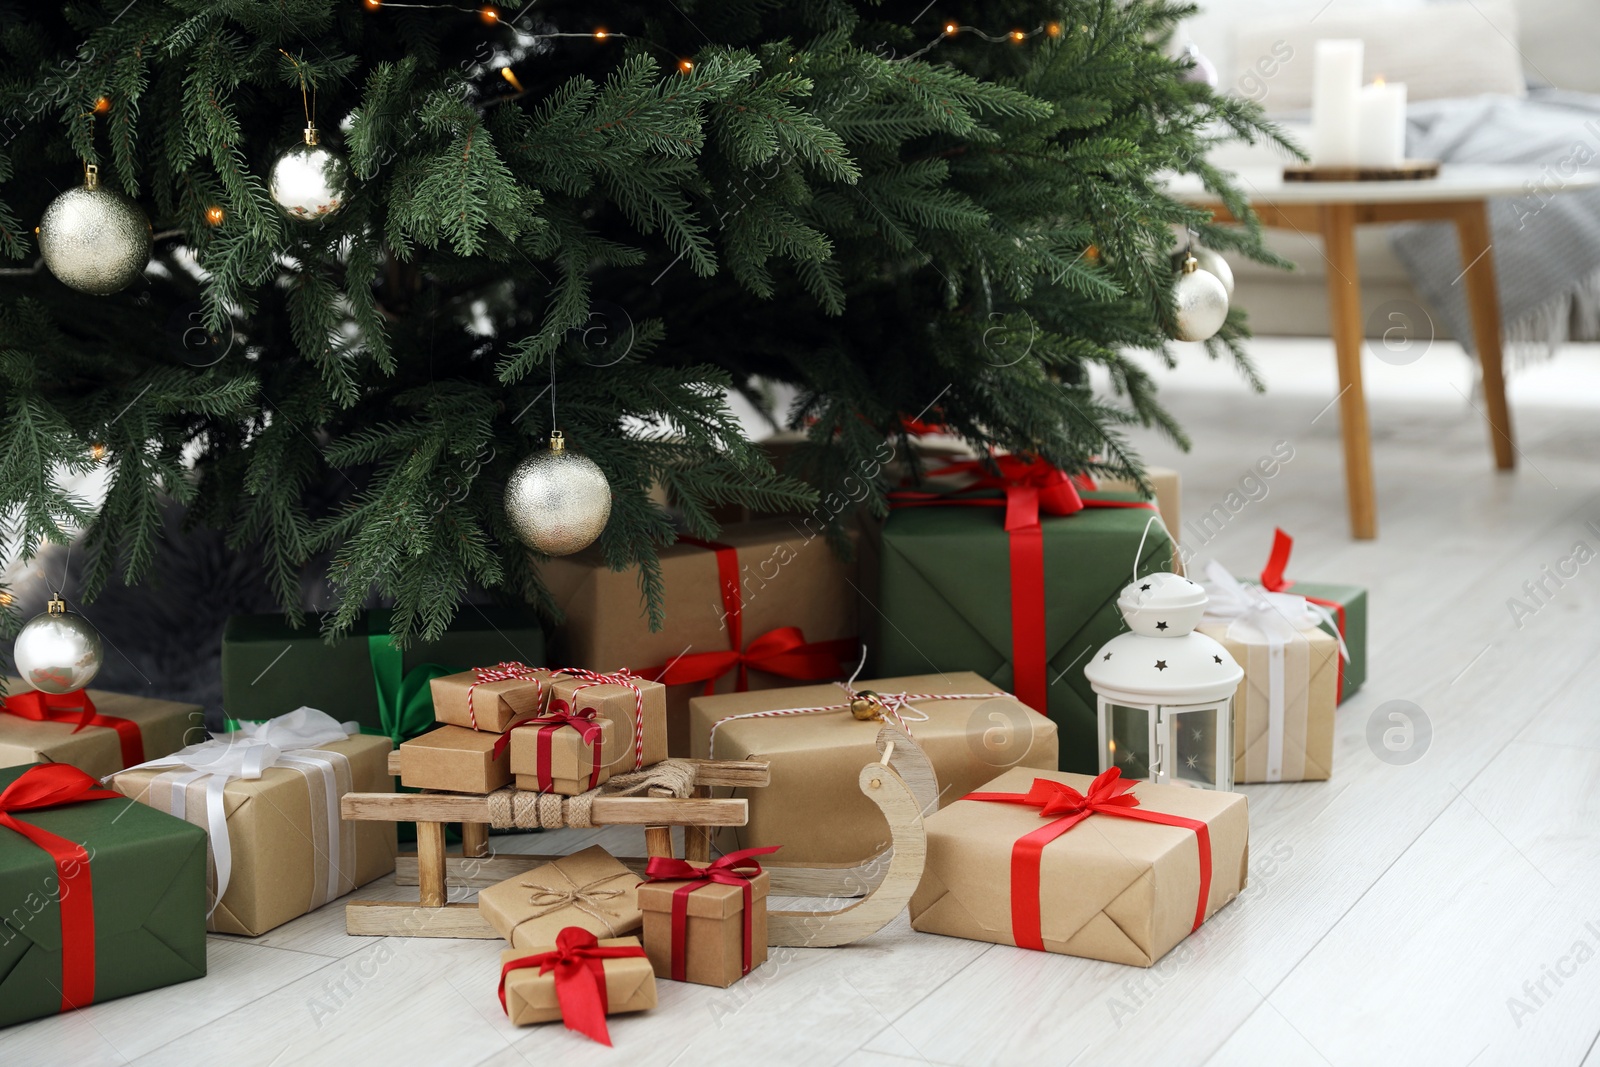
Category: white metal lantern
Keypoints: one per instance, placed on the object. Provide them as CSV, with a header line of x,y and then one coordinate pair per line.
x,y
1165,692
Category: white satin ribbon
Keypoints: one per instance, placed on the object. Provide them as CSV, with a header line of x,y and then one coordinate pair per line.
x,y
1256,617
289,741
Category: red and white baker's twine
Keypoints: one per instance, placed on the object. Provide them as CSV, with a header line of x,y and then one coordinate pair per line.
x,y
502,672
896,705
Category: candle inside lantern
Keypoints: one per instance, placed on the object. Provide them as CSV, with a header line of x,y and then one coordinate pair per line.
x,y
1382,124
1335,103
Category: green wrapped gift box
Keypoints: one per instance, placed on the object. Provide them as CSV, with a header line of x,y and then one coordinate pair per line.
x,y
270,668
144,888
945,593
1346,603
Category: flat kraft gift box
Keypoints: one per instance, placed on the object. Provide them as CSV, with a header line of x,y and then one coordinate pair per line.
x,y
814,807
954,581
564,755
705,932
531,997
454,759
278,847
1058,862
765,605
636,707
107,898
487,698
588,889
268,666
1283,712
37,727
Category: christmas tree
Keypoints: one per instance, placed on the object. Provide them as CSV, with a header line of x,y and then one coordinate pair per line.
x,y
943,214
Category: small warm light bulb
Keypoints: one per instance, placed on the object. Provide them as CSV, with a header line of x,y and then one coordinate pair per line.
x,y
1018,36
1054,29
489,14
102,105
372,5
950,29
97,451
599,35
215,215
686,65
5,599
509,75
1375,81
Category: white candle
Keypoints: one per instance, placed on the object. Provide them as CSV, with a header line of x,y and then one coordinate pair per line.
x,y
1335,103
1383,124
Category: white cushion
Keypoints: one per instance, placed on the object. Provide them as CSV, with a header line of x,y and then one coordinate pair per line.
x,y
1441,50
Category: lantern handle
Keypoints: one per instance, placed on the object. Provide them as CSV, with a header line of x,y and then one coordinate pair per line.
x,y
1138,553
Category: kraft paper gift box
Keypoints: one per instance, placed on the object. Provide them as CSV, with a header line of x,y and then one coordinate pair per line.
x,y
492,705
37,727
1119,885
716,925
1343,609
268,665
587,889
948,600
269,794
636,708
814,807
555,756
455,759
786,611
132,916
531,997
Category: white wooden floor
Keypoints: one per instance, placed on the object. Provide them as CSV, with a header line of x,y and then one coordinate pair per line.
x,y
1400,912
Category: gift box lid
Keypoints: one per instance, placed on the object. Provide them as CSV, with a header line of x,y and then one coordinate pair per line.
x,y
626,976
714,901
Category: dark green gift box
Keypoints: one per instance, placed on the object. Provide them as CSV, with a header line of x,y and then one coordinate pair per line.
x,y
269,668
945,597
1352,600
147,871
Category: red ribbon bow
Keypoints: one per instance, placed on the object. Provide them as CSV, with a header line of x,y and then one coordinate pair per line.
x,y
76,707
783,651
578,962
560,716
55,785
1274,581
736,868
1108,795
1031,487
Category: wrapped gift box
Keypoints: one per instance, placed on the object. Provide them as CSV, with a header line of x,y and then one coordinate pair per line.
x,y
719,934
531,997
1344,608
587,889
456,760
636,708
1169,497
142,905
268,666
563,757
813,806
946,595
772,604
43,728
1117,884
1300,747
286,850
483,699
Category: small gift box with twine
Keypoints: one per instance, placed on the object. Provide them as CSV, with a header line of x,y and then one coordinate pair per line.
x,y
587,889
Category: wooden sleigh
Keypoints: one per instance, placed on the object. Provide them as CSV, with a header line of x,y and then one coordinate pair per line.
x,y
901,783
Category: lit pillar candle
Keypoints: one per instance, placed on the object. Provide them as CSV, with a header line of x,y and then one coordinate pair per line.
x,y
1383,124
1335,103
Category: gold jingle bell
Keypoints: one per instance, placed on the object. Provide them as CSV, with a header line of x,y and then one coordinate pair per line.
x,y
866,706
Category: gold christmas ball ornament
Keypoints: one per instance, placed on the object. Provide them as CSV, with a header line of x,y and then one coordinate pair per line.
x,y
309,181
95,240
1202,303
58,651
558,501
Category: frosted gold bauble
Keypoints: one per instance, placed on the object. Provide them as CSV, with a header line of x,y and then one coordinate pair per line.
x,y
1202,303
558,501
93,239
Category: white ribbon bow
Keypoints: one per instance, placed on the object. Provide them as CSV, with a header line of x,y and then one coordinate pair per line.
x,y
288,741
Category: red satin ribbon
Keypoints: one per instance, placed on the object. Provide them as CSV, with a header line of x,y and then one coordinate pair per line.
x,y
736,868
1274,581
76,707
783,651
1031,486
1108,795
54,785
578,961
560,717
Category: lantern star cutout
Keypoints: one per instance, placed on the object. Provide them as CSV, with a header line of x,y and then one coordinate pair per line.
x,y
1191,761
1161,664
1161,626
1217,658
1106,656
1145,588
1198,734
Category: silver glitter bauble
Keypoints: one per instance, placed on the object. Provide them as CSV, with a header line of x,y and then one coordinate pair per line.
x,y
58,651
93,239
309,181
557,500
1202,303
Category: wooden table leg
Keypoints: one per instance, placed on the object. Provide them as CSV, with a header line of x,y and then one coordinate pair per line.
x,y
430,864
1344,307
1483,300
474,839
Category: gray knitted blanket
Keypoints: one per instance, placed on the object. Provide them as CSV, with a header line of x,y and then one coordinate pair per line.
x,y
1546,242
